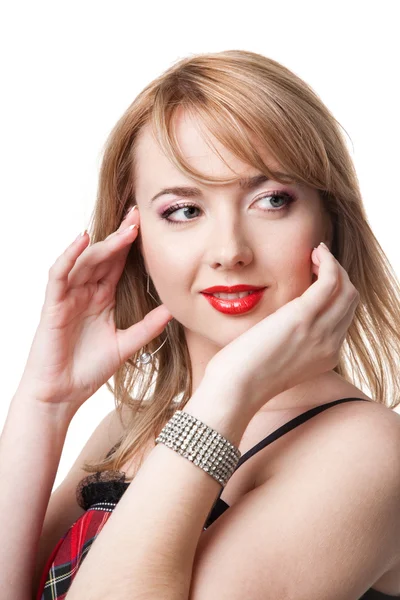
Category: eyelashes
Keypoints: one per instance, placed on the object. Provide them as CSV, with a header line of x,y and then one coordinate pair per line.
x,y
288,197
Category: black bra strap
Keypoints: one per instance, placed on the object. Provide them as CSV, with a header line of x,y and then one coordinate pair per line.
x,y
291,425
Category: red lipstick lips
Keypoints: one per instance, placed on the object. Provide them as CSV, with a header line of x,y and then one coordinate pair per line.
x,y
234,306
231,290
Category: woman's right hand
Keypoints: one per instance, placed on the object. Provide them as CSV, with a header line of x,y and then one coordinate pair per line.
x,y
77,347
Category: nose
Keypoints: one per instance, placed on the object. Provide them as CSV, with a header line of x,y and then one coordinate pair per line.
x,y
228,247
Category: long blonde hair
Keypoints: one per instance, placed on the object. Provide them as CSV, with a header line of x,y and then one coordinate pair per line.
x,y
236,92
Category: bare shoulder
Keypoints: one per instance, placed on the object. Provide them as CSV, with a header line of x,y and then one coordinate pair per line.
x,y
380,422
357,443
325,525
359,429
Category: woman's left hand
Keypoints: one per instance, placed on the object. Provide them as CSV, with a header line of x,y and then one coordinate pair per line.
x,y
299,341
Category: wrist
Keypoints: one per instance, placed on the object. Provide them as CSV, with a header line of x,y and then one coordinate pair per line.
x,y
59,412
221,408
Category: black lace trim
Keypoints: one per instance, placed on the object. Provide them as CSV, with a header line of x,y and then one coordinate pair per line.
x,y
104,486
110,486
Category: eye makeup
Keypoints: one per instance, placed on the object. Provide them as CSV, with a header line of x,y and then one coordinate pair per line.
x,y
288,197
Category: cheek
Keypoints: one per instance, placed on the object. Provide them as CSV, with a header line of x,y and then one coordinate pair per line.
x,y
290,269
169,268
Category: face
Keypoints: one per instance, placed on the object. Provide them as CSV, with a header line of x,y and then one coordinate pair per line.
x,y
227,236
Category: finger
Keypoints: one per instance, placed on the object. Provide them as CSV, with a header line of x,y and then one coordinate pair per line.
x,y
343,324
332,323
342,301
109,272
57,285
140,334
317,296
126,221
89,270
336,337
86,267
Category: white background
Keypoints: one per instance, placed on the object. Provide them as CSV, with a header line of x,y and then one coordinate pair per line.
x,y
70,69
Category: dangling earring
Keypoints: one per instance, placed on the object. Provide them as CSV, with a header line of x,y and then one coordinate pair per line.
x,y
146,357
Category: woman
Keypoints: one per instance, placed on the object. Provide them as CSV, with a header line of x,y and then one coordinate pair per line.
x,y
226,171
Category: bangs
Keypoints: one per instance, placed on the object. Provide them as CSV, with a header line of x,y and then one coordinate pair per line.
x,y
228,130
244,122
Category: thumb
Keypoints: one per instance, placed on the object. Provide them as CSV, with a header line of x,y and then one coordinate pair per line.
x,y
140,334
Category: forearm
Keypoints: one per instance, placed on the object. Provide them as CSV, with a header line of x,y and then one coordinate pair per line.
x,y
30,449
146,549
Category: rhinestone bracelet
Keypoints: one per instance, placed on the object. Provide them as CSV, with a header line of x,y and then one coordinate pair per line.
x,y
200,444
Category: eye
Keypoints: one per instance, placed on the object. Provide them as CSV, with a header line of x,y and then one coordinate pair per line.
x,y
189,208
287,197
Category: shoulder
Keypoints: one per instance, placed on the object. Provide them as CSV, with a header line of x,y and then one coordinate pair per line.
x,y
357,436
327,525
350,426
363,423
350,457
342,428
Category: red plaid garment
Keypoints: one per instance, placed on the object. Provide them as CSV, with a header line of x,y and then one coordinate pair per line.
x,y
98,494
67,556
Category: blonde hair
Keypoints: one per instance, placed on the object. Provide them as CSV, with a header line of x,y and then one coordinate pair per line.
x,y
236,92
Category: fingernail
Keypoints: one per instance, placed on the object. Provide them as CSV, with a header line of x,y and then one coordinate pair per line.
x,y
324,245
130,209
128,229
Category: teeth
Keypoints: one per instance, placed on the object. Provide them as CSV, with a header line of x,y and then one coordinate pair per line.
x,y
232,296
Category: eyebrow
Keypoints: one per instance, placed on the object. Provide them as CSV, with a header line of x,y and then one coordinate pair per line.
x,y
248,183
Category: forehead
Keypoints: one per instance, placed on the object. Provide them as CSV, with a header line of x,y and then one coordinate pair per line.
x,y
199,148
